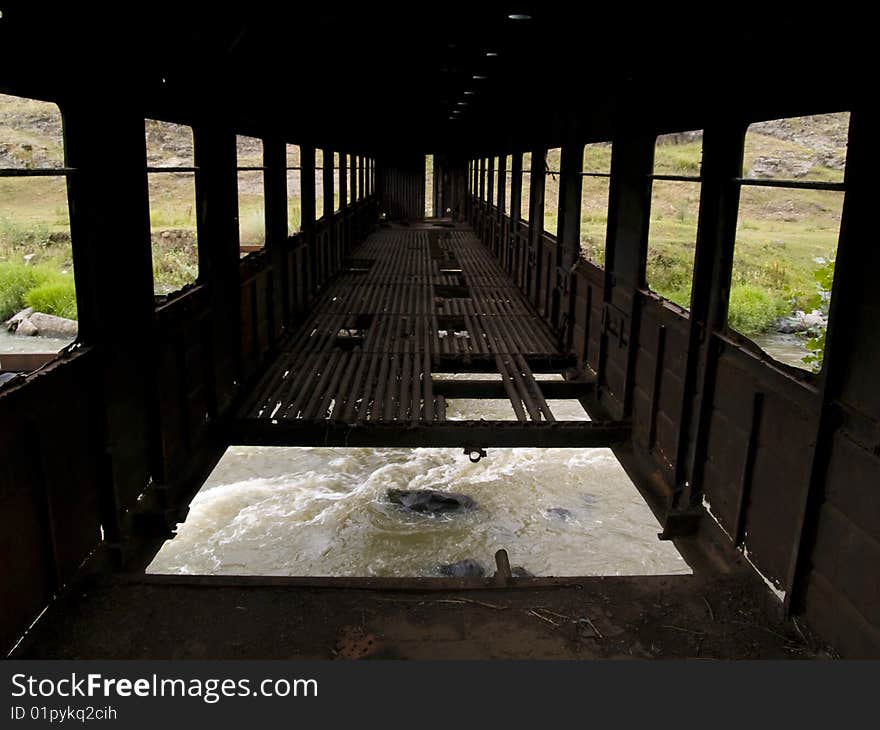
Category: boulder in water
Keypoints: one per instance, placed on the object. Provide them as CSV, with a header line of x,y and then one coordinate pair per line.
x,y
51,326
429,500
467,568
517,571
26,328
13,322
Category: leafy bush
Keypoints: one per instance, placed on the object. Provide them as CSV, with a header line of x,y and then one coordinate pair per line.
x,y
35,286
173,269
16,280
821,301
753,310
57,297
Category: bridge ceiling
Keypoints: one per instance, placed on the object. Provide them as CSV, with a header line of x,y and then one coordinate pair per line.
x,y
376,78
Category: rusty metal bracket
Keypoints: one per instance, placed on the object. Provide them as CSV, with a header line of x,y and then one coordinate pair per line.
x,y
680,524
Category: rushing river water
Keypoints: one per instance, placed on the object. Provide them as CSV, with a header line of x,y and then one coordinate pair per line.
x,y
10,343
316,511
789,349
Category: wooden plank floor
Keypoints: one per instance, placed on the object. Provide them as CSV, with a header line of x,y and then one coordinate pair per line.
x,y
412,303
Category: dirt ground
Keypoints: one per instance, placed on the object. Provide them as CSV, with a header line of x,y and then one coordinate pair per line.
x,y
669,617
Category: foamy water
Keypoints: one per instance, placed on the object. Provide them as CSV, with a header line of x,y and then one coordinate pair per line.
x,y
325,512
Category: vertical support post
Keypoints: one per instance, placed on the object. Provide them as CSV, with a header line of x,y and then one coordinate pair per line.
x,y
342,247
713,263
501,240
515,211
471,189
275,182
534,263
489,227
114,283
354,214
632,162
343,180
568,232
490,180
475,178
502,185
217,200
307,196
850,357
325,254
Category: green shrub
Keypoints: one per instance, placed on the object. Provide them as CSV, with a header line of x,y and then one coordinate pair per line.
x,y
754,310
57,297
173,269
821,300
16,280
36,286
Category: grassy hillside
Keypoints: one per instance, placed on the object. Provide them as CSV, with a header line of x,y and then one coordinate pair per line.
x,y
783,236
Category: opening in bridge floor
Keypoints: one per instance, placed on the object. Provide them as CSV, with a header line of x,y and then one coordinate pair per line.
x,y
326,512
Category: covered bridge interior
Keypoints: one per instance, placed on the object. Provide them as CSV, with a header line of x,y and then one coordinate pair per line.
x,y
328,331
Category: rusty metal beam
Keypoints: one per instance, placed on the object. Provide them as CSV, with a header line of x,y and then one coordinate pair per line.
x,y
537,181
553,389
515,209
568,235
713,263
447,434
855,263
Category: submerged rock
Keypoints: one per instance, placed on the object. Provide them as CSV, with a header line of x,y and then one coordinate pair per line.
x,y
467,568
559,513
429,500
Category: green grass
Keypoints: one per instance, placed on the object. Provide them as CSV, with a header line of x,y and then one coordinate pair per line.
x,y
252,221
754,309
174,268
678,159
294,216
56,296
27,286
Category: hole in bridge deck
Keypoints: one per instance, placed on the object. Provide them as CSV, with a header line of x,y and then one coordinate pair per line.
x,y
326,512
474,404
